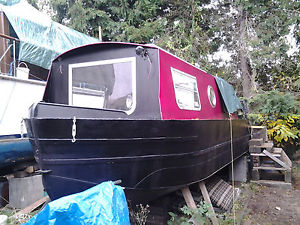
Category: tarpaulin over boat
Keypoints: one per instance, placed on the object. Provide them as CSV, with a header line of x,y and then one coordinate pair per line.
x,y
229,97
101,204
9,2
41,39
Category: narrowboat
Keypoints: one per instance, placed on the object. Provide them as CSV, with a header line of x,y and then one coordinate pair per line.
x,y
135,113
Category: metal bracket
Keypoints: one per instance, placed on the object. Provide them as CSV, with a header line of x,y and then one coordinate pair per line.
x,y
74,130
43,171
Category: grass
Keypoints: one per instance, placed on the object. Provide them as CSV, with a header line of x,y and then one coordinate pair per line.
x,y
15,220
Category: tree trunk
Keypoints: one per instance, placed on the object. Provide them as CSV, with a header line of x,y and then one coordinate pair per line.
x,y
244,62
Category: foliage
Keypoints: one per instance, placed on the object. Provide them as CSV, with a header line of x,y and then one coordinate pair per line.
x,y
279,112
274,103
199,215
125,20
33,3
282,129
140,215
254,34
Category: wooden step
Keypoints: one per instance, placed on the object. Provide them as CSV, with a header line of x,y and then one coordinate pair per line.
x,y
256,142
277,150
264,155
259,132
268,168
259,148
267,145
271,183
255,149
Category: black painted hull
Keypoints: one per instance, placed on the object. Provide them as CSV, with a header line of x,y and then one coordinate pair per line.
x,y
151,157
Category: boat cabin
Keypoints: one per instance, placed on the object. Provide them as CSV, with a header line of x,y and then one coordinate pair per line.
x,y
134,81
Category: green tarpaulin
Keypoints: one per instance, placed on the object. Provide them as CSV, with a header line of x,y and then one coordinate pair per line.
x,y
229,97
41,39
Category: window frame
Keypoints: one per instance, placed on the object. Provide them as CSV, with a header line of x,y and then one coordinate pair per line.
x,y
209,95
104,62
197,90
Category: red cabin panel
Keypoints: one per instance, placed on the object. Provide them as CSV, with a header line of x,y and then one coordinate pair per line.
x,y
169,108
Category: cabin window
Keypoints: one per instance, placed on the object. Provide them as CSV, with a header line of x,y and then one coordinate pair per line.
x,y
211,96
107,84
186,90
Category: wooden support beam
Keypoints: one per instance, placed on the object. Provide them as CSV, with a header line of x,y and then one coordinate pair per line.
x,y
100,33
255,174
207,200
276,160
188,198
33,206
288,176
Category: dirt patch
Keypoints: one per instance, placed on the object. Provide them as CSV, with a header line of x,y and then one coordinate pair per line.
x,y
276,206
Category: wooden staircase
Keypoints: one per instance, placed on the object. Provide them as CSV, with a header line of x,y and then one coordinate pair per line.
x,y
266,157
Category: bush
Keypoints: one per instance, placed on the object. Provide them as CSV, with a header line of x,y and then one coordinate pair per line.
x,y
279,112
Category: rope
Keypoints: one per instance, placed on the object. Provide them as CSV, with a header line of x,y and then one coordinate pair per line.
x,y
232,173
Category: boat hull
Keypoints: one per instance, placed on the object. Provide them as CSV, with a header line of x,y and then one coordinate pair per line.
x,y
150,157
14,151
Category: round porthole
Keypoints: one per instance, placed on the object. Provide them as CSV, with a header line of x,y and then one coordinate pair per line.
x,y
211,96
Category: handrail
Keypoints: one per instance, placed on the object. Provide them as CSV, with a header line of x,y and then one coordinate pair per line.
x,y
9,37
14,40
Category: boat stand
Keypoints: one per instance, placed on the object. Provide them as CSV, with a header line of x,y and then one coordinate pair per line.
x,y
191,203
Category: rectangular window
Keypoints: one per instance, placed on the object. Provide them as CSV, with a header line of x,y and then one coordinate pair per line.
x,y
107,84
186,90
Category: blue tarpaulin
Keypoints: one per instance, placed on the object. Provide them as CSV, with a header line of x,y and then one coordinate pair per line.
x,y
41,39
229,97
102,204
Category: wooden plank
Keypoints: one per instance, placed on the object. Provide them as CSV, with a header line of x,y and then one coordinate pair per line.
x,y
33,206
273,183
257,127
188,198
255,142
277,150
255,149
267,145
268,168
276,160
263,155
255,174
286,159
288,176
207,200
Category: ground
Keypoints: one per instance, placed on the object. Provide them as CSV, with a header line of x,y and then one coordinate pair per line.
x,y
274,206
261,205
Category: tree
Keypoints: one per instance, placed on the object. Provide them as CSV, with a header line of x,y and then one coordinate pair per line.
x,y
252,32
132,20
